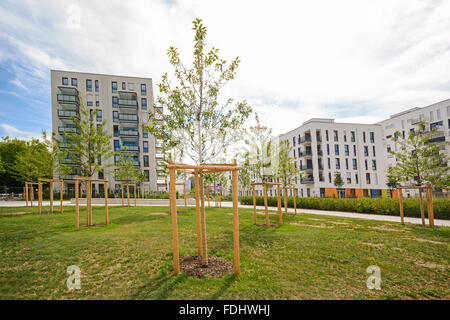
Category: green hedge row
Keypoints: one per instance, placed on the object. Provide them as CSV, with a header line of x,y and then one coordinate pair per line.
x,y
384,206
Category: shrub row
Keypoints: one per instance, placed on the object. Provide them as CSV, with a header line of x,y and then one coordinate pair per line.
x,y
384,206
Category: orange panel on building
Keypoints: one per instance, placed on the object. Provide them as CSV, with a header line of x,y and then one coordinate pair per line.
x,y
348,193
359,193
395,193
330,192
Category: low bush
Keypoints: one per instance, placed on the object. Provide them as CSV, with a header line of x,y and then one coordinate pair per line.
x,y
384,206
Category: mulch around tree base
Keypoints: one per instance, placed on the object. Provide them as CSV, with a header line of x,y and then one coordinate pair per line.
x,y
217,267
264,225
424,226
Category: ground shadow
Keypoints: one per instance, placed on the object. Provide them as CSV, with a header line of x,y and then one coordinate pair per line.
x,y
160,286
224,287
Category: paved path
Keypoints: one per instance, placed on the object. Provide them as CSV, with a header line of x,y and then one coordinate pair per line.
x,y
437,222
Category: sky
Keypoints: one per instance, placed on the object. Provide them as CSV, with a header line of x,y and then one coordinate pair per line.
x,y
355,61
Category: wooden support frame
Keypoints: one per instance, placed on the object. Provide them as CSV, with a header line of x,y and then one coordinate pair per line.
x,y
198,171
217,196
429,197
184,192
127,185
27,194
265,184
285,196
51,182
88,182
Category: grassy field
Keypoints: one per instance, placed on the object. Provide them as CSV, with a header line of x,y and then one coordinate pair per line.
x,y
310,257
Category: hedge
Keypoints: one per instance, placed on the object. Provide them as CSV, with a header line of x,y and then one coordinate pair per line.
x,y
384,206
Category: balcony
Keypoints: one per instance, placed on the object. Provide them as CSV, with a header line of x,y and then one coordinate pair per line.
x,y
126,117
68,114
67,98
128,103
304,168
307,181
306,139
436,139
129,133
131,148
68,129
305,154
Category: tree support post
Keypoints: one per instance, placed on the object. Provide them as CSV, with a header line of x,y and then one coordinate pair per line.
x,y
295,201
173,212
279,205
197,213
77,207
265,205
234,175
254,205
106,203
430,205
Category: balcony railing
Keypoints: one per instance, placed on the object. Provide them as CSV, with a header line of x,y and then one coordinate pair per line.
x,y
128,117
68,129
68,113
306,139
67,98
128,103
306,167
305,154
129,133
307,181
129,148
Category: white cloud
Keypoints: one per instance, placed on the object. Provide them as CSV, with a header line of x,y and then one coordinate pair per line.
x,y
12,132
300,59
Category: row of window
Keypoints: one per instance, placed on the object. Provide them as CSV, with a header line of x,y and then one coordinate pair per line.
x,y
74,82
338,164
144,146
348,178
336,150
336,137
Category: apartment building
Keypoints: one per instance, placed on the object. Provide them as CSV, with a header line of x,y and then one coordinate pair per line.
x,y
124,102
322,147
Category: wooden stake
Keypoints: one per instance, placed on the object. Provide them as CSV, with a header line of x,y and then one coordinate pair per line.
x,y
400,198
40,197
61,189
121,187
279,205
234,175
295,201
207,194
51,197
430,205
422,213
285,200
173,213
88,203
197,213
265,205
203,223
254,205
106,203
26,193
185,199
128,195
135,195
77,208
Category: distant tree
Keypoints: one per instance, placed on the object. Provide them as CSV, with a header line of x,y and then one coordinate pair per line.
x,y
54,162
245,172
126,170
87,146
419,160
392,179
10,149
338,182
287,170
31,163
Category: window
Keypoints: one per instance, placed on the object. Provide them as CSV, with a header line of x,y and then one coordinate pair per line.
x,y
97,103
88,85
352,136
326,135
354,150
356,178
96,85
366,165
366,151
349,178
335,135
124,86
436,124
147,175
99,115
346,163
144,133
373,150
115,116
116,145
90,103
329,177
101,175
346,150
144,103
329,163
372,137
74,82
143,89
338,163
114,86
100,160
115,102
145,161
345,136
293,141
367,178
116,130
328,149
336,149
364,137
355,166
294,153
145,146
374,165
65,81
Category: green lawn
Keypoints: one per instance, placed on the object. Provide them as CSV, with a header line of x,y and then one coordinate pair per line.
x,y
310,257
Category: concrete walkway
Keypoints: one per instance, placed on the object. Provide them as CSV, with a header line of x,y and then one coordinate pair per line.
x,y
180,202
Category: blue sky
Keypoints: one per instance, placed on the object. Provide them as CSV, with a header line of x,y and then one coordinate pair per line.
x,y
352,60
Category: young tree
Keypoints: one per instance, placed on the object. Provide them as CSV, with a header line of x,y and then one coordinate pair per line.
x,y
88,146
197,122
287,169
419,160
245,173
392,179
31,163
10,149
125,168
338,182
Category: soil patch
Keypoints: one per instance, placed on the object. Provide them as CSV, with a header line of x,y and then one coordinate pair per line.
x,y
386,229
159,213
321,226
15,213
217,267
425,240
429,265
377,245
264,225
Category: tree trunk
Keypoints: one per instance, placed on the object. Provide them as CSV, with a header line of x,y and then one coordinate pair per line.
x,y
203,224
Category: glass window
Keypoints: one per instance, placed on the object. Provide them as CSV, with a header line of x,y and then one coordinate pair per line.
x,y
329,163
366,165
147,175
338,163
336,149
372,137
346,163
115,102
352,136
144,133
143,89
366,151
97,103
96,86
326,135
115,116
346,150
364,137
124,86
335,135
328,149
116,145
145,161
145,146
88,85
99,115
355,167
74,82
65,81
144,103
114,86
354,150
374,165
368,178
373,150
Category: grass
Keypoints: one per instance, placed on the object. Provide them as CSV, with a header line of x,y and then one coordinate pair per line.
x,y
310,257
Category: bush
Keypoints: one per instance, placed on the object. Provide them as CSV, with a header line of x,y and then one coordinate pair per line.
x,y
384,206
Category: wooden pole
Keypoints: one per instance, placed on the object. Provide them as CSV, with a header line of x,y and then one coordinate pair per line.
x,y
32,194
285,199
207,195
400,198
173,212
121,187
422,213
295,201
430,205
197,213
135,195
185,199
40,197
265,205
77,212
234,175
106,203
26,193
279,205
203,223
88,202
51,197
254,205
128,195
61,189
